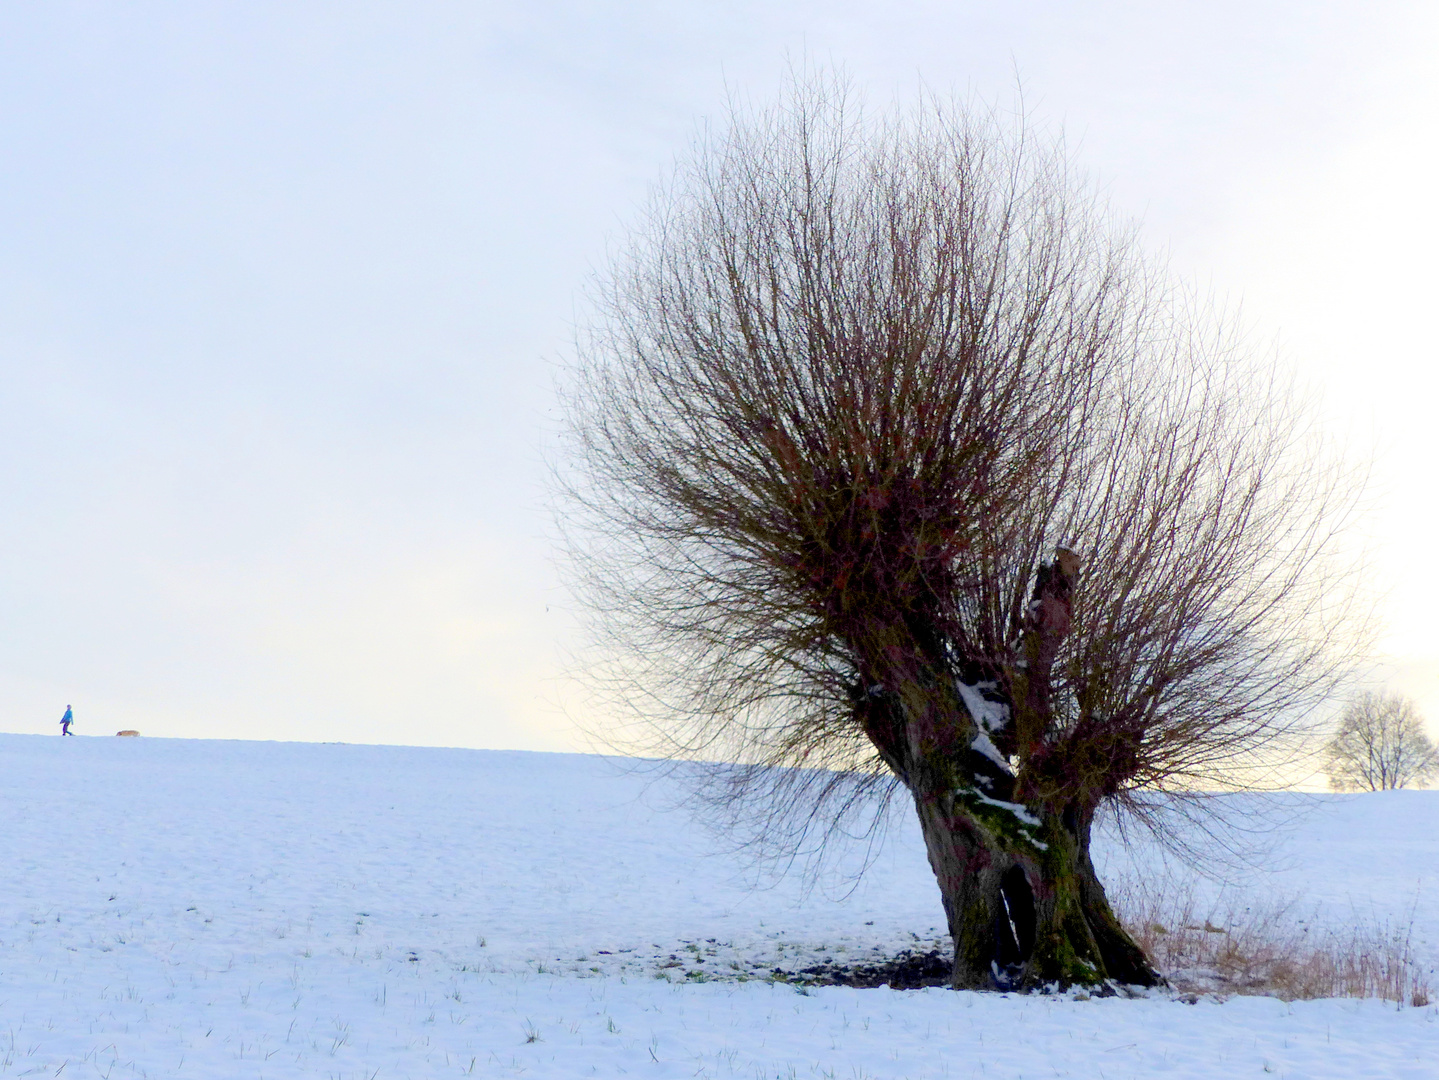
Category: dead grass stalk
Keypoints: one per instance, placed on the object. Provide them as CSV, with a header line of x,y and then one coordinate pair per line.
x,y
1228,947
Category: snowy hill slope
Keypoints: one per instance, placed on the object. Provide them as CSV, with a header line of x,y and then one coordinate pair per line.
x,y
228,909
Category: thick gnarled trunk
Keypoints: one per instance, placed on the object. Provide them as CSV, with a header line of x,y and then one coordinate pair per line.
x,y
1004,807
1011,852
1024,905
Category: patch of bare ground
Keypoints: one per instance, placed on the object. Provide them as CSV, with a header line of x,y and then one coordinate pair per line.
x,y
911,969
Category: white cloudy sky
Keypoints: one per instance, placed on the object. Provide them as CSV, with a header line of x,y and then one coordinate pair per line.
x,y
282,286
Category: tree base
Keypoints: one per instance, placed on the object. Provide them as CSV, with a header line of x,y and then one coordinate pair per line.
x,y
1025,908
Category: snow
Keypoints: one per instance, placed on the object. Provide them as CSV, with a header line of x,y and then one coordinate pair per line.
x,y
177,908
988,749
991,716
1014,808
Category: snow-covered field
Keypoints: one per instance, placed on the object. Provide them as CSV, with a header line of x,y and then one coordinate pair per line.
x,y
174,908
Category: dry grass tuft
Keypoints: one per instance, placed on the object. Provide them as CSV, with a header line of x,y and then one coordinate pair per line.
x,y
1231,948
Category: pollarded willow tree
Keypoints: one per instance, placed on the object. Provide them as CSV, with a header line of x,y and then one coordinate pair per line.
x,y
893,459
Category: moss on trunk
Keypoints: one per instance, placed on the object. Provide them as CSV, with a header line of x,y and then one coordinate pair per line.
x,y
1024,906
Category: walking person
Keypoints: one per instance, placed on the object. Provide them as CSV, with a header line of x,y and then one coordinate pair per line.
x,y
66,721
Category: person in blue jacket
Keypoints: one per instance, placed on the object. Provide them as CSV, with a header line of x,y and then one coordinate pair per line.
x,y
66,721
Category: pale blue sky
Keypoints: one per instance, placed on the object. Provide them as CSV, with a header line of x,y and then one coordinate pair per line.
x,y
282,285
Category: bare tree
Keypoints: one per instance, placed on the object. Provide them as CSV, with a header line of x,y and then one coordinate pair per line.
x,y
1380,745
894,462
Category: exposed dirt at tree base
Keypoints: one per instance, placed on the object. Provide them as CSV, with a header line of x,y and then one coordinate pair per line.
x,y
914,970
909,970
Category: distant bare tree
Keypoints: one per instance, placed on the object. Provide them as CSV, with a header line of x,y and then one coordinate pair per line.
x,y
1380,745
893,461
